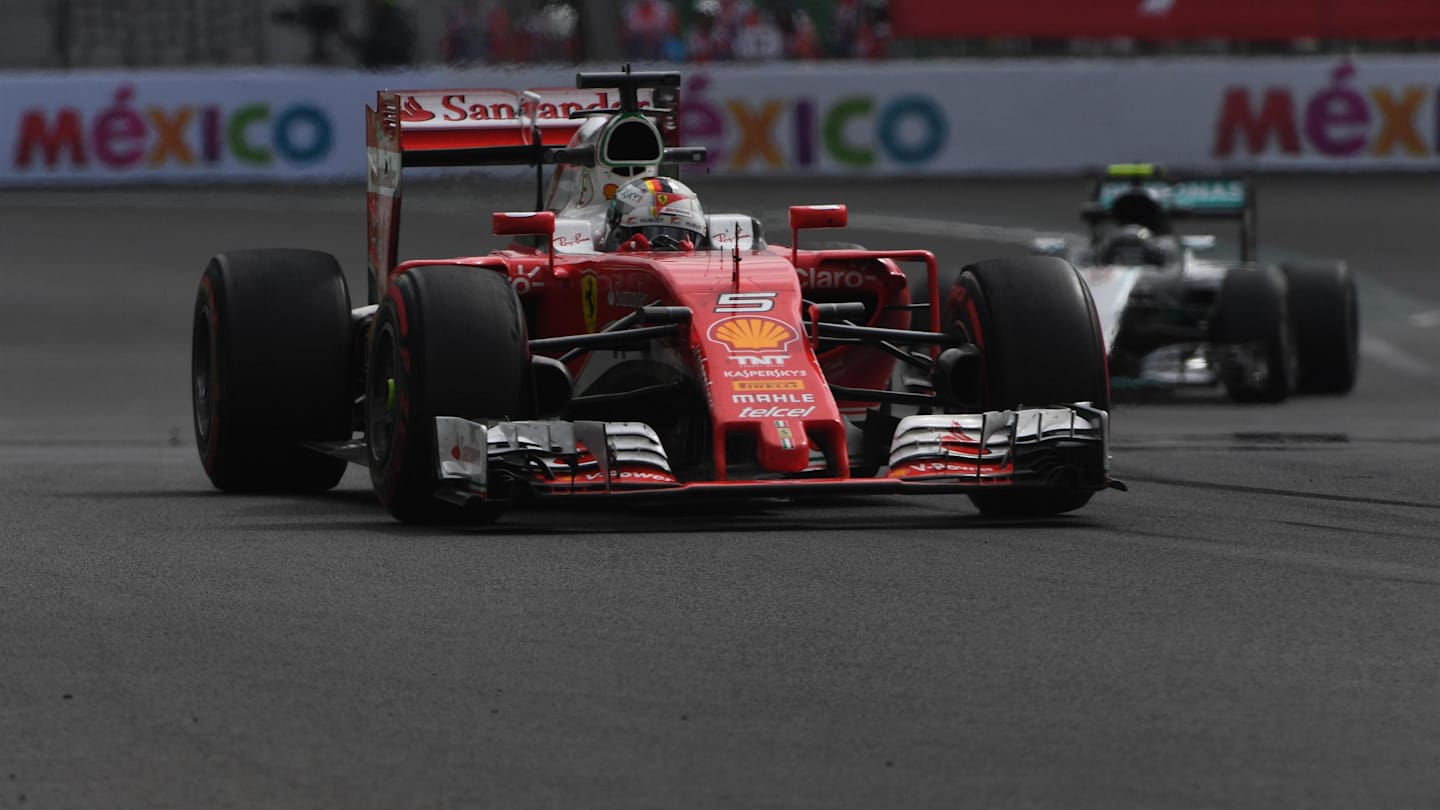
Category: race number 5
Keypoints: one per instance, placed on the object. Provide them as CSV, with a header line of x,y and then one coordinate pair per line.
x,y
746,302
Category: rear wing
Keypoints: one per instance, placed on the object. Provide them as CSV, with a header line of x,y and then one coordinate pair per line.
x,y
485,127
1214,198
493,127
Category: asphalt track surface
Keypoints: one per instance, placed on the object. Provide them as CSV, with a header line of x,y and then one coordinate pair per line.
x,y
1254,624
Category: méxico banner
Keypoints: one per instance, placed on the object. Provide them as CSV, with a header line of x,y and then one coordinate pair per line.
x,y
851,120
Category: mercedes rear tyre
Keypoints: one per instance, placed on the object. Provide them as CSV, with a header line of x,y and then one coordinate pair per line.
x,y
1254,323
447,341
1325,314
270,369
1041,344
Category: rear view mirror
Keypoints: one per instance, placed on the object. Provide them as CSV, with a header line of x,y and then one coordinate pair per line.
x,y
804,217
526,223
1197,242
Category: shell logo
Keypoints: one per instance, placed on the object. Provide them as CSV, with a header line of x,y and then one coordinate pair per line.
x,y
753,334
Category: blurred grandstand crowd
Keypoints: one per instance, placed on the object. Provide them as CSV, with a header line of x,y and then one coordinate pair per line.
x,y
740,30
381,34
497,32
394,33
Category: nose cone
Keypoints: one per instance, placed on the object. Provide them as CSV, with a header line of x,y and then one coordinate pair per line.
x,y
783,446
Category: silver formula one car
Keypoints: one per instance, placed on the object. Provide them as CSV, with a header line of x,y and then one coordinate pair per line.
x,y
1174,316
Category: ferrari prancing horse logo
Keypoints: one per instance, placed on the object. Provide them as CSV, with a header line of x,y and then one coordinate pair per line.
x,y
589,300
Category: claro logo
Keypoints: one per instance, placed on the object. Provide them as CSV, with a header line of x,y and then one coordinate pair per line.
x,y
1347,119
128,135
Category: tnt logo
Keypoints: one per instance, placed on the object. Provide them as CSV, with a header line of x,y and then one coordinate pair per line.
x,y
761,359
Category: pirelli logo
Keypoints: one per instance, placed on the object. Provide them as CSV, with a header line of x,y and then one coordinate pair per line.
x,y
769,385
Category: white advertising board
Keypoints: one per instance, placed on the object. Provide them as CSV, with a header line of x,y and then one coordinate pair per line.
x,y
173,127
1073,116
852,119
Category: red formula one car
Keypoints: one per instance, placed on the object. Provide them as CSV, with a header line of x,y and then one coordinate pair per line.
x,y
629,345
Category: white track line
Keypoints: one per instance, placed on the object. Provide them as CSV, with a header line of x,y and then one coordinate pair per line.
x,y
1388,354
1426,320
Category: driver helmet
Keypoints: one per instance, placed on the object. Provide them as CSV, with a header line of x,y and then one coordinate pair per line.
x,y
1142,207
664,213
1132,245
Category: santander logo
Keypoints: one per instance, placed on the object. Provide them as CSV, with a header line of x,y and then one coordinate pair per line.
x,y
412,113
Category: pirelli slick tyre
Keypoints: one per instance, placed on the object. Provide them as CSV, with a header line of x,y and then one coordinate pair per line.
x,y
270,368
446,341
1040,340
1324,314
1254,320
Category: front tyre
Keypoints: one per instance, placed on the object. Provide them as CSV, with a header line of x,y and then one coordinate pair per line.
x,y
270,369
447,341
1035,324
1254,324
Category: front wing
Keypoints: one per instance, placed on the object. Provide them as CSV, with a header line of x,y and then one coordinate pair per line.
x,y
1038,447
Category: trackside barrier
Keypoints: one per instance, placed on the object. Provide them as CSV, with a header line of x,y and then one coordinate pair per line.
x,y
853,120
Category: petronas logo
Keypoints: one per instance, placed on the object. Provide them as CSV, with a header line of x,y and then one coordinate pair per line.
x,y
753,334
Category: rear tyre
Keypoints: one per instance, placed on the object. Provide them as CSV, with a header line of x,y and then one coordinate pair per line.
x,y
270,368
1035,324
1254,320
1325,315
447,341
